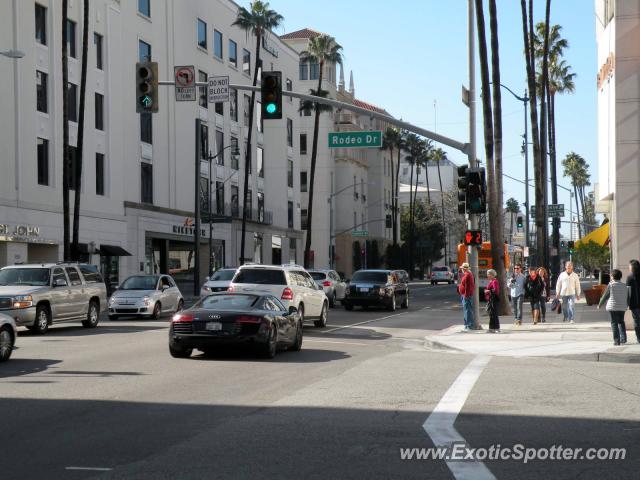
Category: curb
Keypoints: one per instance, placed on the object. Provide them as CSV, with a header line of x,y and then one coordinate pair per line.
x,y
432,344
602,357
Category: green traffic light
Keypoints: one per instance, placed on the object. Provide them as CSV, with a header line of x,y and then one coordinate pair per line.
x,y
271,108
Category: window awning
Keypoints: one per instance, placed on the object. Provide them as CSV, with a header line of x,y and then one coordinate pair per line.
x,y
600,236
113,251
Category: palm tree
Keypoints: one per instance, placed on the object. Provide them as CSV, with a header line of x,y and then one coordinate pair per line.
x,y
391,141
413,145
65,133
427,156
438,156
513,207
575,167
322,49
257,21
80,142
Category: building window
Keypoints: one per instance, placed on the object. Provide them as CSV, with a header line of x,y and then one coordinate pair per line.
x,y
249,204
314,71
293,247
233,53
257,248
99,173
73,102
246,149
71,38
233,104
146,127
202,34
258,111
289,88
41,92
305,111
202,91
97,41
303,144
276,250
220,147
144,7
304,71
355,190
303,218
289,132
235,154
43,161
290,214
260,162
204,141
146,182
41,24
73,164
217,44
260,206
290,173
303,181
235,201
246,61
144,51
247,106
220,198
99,111
219,108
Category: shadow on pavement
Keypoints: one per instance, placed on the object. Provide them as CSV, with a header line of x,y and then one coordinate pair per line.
x,y
80,331
306,355
24,366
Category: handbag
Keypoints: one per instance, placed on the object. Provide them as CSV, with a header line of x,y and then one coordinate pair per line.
x,y
556,306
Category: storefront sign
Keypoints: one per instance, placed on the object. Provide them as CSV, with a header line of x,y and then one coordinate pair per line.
x,y
187,228
606,70
19,230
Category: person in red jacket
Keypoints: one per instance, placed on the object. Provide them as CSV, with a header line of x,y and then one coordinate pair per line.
x,y
466,289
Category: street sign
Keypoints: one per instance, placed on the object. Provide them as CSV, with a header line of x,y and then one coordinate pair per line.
x,y
517,238
554,210
360,233
372,139
185,83
218,89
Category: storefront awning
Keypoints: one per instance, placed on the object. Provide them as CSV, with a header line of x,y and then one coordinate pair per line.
x,y
600,236
113,251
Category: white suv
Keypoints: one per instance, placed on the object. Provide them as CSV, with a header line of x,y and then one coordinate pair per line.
x,y
292,284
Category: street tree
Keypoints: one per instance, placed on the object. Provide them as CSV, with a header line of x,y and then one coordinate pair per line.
x,y
513,208
392,141
576,168
427,240
438,156
322,49
413,147
257,21
591,255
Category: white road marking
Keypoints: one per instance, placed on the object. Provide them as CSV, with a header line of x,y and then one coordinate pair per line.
x,y
91,469
329,341
362,323
439,425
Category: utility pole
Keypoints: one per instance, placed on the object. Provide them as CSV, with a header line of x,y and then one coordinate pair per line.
x,y
196,234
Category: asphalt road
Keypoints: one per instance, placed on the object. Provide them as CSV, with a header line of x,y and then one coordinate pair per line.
x,y
112,403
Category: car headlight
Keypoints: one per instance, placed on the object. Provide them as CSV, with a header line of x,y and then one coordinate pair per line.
x,y
22,301
146,300
206,289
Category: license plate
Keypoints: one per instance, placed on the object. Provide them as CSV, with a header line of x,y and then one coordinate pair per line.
x,y
214,326
365,289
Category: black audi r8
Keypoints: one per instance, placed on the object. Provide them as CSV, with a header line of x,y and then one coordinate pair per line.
x,y
260,321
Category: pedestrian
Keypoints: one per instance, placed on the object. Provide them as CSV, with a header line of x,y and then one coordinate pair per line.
x,y
546,295
534,289
516,289
633,282
466,289
568,289
616,297
492,296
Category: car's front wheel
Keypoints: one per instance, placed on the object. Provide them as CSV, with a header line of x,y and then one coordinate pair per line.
x,y
392,305
270,348
92,316
322,321
297,344
157,308
43,319
6,343
405,304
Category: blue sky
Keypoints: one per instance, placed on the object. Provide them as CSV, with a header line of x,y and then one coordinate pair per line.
x,y
409,53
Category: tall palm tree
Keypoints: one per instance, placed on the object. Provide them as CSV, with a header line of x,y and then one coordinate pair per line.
x,y
322,50
413,147
257,21
65,133
438,156
75,253
575,168
427,156
513,207
390,141
401,141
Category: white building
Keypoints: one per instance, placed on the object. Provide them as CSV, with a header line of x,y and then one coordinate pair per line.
x,y
138,180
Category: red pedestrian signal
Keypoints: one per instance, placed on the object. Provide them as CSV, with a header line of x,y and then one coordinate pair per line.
x,y
473,237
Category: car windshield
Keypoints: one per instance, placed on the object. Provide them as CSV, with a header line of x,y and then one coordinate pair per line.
x,y
440,269
376,277
140,282
260,276
227,302
222,275
24,276
318,275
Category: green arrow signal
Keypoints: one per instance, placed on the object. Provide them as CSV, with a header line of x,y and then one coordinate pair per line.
x,y
146,101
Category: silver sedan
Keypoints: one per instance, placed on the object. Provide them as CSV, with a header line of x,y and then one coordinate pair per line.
x,y
146,296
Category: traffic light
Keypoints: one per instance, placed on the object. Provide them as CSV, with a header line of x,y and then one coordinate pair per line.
x,y
571,246
476,191
563,244
146,87
473,237
520,222
271,90
462,189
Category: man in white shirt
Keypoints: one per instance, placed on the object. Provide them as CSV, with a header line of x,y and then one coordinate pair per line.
x,y
568,289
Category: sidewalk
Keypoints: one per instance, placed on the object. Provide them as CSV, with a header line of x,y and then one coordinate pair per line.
x,y
589,338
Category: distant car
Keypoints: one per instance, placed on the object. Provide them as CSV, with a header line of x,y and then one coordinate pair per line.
x,y
370,288
291,284
332,284
260,321
218,282
146,296
442,274
7,336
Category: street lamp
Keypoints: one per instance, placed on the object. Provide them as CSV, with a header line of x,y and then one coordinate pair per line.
x,y
13,53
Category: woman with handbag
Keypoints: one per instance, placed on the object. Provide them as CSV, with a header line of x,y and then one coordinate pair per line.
x,y
546,293
492,296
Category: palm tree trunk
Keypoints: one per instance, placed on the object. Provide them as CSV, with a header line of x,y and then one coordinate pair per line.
x,y
395,199
247,154
80,142
65,134
426,177
444,223
392,194
543,137
555,264
314,154
410,249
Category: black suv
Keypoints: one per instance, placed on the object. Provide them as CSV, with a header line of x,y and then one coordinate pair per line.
x,y
383,288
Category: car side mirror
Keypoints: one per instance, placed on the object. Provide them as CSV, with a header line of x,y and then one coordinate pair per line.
x,y
60,282
293,310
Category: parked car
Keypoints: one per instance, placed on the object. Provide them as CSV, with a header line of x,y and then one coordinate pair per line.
x,y
260,321
442,274
332,284
369,288
39,295
147,296
291,284
218,282
7,336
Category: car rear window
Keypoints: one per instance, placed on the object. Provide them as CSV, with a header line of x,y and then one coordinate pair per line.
x,y
318,275
260,276
222,275
378,277
227,302
90,274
